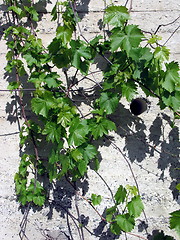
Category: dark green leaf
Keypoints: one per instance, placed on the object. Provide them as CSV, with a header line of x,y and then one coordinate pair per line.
x,y
110,213
135,206
82,167
115,229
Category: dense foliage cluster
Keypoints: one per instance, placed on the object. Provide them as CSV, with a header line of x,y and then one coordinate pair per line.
x,y
59,124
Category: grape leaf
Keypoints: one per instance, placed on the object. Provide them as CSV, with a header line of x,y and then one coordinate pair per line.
x,y
135,206
64,33
129,89
175,221
42,106
139,54
108,102
101,127
39,200
116,15
120,195
82,167
162,53
81,53
172,78
53,132
110,212
78,131
131,37
125,222
77,155
96,199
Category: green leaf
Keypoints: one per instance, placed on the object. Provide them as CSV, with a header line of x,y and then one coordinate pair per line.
x,y
101,127
120,195
178,186
13,85
65,162
110,213
16,9
32,12
129,89
95,199
77,155
132,189
39,200
125,222
89,152
154,39
53,132
64,34
130,37
116,15
42,106
78,131
108,102
30,59
140,54
172,78
82,167
115,229
52,80
175,221
162,53
81,55
135,206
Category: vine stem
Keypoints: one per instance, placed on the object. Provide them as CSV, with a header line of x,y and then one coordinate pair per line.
x,y
130,167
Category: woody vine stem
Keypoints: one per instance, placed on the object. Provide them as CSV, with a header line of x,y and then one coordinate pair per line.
x,y
58,121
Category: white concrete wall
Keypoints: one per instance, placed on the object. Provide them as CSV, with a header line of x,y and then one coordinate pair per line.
x,y
155,171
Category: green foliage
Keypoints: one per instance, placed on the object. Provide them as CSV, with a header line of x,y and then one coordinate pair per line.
x,y
175,221
95,199
67,136
132,208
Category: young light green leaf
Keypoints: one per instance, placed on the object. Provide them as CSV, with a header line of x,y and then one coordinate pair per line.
x,y
96,199
120,195
135,206
77,155
125,222
116,15
130,37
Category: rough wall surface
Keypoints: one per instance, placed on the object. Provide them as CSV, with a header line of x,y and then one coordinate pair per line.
x,y
155,170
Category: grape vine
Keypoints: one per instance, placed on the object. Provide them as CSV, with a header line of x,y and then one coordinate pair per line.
x,y
57,121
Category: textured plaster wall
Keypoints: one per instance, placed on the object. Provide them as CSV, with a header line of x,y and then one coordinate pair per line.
x,y
155,171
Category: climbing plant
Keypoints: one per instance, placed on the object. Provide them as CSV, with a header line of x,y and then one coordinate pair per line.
x,y
133,60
